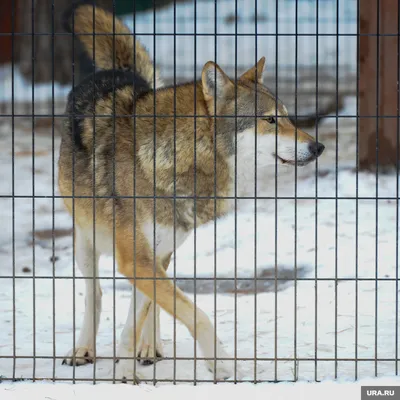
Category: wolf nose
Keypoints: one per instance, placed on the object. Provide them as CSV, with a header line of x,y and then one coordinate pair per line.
x,y
316,149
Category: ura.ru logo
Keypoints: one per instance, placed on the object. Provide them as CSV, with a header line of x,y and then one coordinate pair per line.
x,y
380,392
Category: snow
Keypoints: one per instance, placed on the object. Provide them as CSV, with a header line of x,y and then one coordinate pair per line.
x,y
300,390
23,89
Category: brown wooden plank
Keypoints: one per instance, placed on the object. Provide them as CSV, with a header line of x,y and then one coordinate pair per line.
x,y
6,27
379,91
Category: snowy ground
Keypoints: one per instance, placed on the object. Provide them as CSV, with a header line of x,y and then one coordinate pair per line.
x,y
267,324
284,391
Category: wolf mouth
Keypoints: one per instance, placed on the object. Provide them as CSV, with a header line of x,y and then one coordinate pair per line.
x,y
291,162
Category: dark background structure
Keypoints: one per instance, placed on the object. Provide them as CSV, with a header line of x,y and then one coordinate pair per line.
x,y
378,67
379,86
47,15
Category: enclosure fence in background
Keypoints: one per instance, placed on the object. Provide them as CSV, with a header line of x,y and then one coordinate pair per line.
x,y
198,188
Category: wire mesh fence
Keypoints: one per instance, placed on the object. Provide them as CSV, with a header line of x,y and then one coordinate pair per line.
x,y
169,220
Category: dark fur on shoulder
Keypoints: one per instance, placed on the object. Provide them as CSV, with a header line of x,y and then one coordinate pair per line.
x,y
83,97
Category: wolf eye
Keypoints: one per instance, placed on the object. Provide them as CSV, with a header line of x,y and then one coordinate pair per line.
x,y
270,120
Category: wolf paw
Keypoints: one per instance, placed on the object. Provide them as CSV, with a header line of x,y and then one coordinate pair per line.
x,y
148,354
224,369
83,355
125,372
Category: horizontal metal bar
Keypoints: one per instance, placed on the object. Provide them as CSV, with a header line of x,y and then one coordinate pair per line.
x,y
298,116
152,380
16,196
344,359
197,279
197,34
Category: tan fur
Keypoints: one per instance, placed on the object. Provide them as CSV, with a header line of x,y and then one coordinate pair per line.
x,y
112,178
111,51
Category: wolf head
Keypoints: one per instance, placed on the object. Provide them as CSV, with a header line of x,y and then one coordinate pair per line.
x,y
258,117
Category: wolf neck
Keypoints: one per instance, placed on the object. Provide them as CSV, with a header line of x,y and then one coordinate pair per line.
x,y
242,165
222,141
181,103
223,144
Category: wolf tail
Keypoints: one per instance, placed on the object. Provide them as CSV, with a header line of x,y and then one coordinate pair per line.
x,y
109,51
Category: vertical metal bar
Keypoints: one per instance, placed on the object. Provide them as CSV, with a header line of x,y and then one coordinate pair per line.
x,y
94,190
154,179
195,194
276,198
376,183
73,207
174,316
397,192
135,338
33,195
316,201
115,199
256,191
235,196
215,195
336,185
357,192
14,350
296,49
255,198
53,191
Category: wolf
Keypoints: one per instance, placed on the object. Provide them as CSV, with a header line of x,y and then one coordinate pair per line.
x,y
141,164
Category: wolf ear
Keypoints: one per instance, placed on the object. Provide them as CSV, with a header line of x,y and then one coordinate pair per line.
x,y
255,74
216,83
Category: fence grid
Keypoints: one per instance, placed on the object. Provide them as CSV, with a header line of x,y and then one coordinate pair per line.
x,y
169,220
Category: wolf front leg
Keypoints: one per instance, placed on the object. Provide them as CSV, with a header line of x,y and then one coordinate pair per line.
x,y
156,286
150,346
127,349
88,262
150,349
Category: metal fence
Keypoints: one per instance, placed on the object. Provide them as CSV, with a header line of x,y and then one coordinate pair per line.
x,y
299,279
